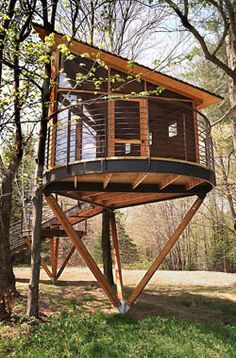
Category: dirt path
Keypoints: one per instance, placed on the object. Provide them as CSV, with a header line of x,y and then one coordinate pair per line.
x,y
131,277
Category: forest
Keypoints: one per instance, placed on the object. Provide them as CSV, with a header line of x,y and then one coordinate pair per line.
x,y
194,41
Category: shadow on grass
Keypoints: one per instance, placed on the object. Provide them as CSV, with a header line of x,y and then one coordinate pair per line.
x,y
195,304
182,304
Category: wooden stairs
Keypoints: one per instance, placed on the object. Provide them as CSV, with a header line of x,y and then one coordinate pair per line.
x,y
20,234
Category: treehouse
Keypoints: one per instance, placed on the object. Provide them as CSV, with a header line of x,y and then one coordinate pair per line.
x,y
120,135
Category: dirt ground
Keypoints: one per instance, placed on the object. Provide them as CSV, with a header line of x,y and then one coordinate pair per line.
x,y
191,295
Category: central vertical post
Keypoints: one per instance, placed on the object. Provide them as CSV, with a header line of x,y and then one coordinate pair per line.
x,y
117,261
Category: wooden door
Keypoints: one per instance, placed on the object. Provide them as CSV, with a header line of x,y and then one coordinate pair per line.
x,y
127,127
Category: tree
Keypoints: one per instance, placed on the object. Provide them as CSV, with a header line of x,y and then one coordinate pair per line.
x,y
128,249
48,9
14,31
202,20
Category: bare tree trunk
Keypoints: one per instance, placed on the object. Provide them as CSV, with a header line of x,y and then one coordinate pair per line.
x,y
231,56
7,278
106,247
33,293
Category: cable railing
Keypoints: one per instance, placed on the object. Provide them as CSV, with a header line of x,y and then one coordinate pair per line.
x,y
133,127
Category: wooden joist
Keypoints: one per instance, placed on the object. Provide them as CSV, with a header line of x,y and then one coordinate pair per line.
x,y
140,178
106,180
169,179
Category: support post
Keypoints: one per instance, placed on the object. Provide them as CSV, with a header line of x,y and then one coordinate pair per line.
x,y
117,262
65,262
164,251
54,250
76,240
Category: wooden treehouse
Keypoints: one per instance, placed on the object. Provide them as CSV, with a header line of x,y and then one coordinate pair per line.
x,y
121,135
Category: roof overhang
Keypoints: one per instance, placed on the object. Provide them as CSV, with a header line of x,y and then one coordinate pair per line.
x,y
201,97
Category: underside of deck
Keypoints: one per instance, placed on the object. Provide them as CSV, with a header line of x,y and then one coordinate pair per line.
x,y
116,183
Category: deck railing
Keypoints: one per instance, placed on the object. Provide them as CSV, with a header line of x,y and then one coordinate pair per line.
x,y
130,127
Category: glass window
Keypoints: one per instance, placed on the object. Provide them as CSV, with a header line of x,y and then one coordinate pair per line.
x,y
173,130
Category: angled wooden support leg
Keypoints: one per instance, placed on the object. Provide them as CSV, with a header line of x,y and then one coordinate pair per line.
x,y
164,252
46,269
76,240
65,262
117,262
43,263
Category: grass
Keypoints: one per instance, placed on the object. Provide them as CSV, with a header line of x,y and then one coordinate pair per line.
x,y
166,321
76,334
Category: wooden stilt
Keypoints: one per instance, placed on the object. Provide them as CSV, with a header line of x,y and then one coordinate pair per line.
x,y
117,262
54,247
75,238
164,252
65,262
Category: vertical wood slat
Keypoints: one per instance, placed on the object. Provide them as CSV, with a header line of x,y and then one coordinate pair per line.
x,y
117,261
196,139
111,128
76,240
164,252
144,127
53,107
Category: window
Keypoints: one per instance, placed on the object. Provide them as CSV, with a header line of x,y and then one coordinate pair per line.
x,y
127,148
150,138
173,130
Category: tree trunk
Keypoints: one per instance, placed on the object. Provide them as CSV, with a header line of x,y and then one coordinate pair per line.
x,y
7,278
106,247
33,293
231,56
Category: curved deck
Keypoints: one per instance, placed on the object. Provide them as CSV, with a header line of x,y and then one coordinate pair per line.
x,y
121,182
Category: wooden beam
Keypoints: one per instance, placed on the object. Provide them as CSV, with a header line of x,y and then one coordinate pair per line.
x,y
144,133
117,261
77,242
170,179
111,128
48,233
46,269
106,180
42,262
164,252
140,178
65,262
54,248
193,183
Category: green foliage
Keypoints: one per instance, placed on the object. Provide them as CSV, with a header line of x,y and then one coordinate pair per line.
x,y
76,334
223,252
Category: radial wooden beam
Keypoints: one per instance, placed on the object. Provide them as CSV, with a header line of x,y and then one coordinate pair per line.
x,y
140,178
117,261
170,179
164,252
106,180
193,183
65,262
76,240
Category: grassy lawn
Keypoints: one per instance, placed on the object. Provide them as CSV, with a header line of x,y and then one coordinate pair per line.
x,y
167,321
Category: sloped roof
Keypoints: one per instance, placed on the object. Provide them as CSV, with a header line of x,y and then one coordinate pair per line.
x,y
202,97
